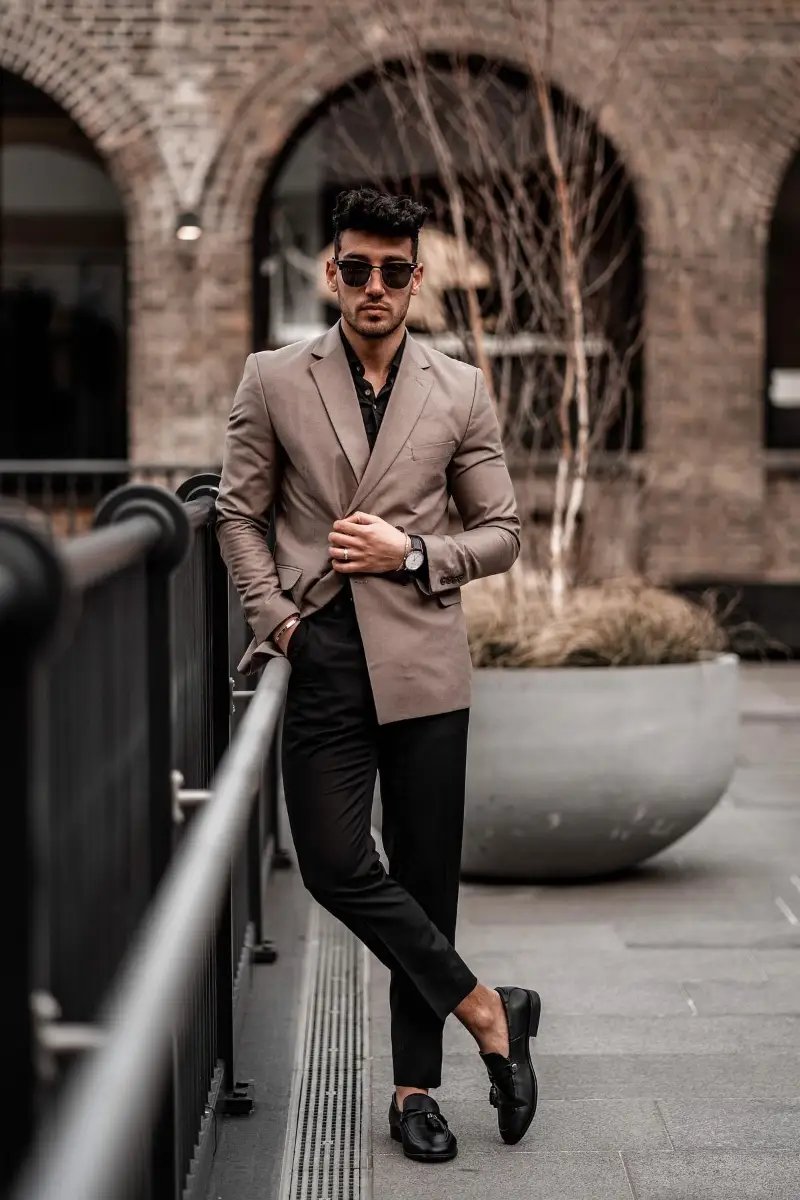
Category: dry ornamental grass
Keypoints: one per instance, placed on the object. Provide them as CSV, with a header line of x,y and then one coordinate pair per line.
x,y
618,623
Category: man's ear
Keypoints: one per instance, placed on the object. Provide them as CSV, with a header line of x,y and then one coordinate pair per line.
x,y
330,275
416,279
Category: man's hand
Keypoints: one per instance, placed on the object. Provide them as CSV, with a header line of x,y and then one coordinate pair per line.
x,y
372,544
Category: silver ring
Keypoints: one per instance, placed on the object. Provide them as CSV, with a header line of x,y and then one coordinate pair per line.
x,y
345,554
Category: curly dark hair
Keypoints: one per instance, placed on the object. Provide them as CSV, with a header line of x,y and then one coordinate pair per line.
x,y
378,212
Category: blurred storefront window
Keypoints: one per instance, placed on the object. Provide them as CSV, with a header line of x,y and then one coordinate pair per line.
x,y
62,287
783,316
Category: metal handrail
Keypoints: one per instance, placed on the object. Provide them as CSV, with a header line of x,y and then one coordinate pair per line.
x,y
86,1147
93,556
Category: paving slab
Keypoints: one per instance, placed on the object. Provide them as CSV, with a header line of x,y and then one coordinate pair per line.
x,y
732,1124
624,967
751,840
722,1075
778,995
683,934
558,938
777,963
515,1176
710,884
770,687
703,1175
765,741
766,787
687,1034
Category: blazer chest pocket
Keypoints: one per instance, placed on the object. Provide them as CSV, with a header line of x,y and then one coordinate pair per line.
x,y
287,576
431,451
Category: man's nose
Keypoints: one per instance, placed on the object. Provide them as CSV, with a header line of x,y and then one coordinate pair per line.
x,y
375,284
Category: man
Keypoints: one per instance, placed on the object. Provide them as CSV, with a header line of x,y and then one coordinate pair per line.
x,y
359,437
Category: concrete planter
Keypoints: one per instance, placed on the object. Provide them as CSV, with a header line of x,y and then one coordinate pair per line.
x,y
574,771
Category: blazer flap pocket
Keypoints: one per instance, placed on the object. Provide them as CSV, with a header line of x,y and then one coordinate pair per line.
x,y
424,452
288,576
451,596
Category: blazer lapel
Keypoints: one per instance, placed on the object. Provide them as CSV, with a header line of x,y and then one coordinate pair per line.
x,y
335,384
411,389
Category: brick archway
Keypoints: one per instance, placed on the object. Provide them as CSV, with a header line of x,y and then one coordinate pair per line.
x,y
270,111
765,156
97,96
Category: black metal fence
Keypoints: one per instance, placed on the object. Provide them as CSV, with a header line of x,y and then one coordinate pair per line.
x,y
68,490
118,698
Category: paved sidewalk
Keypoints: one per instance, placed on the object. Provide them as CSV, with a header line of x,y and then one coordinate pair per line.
x,y
669,1052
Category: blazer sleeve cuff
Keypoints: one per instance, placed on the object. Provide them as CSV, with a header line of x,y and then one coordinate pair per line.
x,y
438,576
271,615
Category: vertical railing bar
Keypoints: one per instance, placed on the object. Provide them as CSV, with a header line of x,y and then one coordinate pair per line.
x,y
33,589
165,1153
48,493
72,501
227,957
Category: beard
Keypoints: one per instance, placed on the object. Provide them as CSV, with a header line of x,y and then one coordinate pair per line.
x,y
374,325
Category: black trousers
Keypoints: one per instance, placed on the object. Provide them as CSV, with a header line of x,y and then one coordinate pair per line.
x,y
332,747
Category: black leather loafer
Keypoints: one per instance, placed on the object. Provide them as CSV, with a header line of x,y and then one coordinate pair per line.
x,y
514,1090
422,1129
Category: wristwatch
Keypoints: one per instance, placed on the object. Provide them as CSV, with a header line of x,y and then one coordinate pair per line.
x,y
416,555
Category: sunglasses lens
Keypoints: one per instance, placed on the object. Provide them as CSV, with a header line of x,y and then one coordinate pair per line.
x,y
355,274
396,275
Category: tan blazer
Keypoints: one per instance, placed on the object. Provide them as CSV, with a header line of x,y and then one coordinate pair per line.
x,y
296,436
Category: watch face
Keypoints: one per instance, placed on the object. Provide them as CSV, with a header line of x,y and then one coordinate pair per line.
x,y
414,560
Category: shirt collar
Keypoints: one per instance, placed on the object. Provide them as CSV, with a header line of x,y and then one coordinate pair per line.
x,y
356,363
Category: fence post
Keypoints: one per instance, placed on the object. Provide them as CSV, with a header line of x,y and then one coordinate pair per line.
x,y
135,499
32,591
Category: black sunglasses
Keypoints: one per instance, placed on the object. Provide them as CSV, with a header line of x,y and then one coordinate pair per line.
x,y
357,274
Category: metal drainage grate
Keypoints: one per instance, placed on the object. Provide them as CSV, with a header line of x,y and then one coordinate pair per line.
x,y
327,1136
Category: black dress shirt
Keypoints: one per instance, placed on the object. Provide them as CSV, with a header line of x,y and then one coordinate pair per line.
x,y
372,407
372,411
